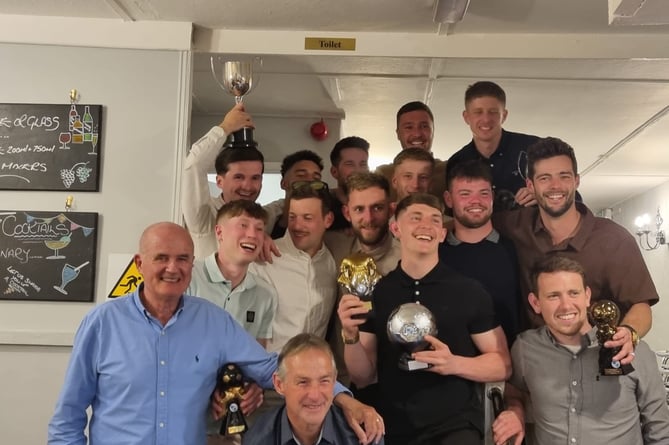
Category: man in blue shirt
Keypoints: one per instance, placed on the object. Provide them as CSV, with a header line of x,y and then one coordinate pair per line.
x,y
305,378
146,364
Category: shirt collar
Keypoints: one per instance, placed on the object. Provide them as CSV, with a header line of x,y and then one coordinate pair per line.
x,y
216,276
452,240
434,276
327,435
140,306
587,225
378,252
589,339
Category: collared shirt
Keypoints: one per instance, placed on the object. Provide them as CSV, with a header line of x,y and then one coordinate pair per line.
x,y
307,291
508,162
607,251
148,383
274,428
252,303
386,255
493,263
198,206
573,404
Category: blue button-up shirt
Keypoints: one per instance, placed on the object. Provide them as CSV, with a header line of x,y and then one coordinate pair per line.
x,y
148,383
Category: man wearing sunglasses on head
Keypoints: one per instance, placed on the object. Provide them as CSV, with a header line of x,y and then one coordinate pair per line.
x,y
304,276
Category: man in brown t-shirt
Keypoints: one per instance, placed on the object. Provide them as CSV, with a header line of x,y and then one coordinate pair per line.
x,y
608,252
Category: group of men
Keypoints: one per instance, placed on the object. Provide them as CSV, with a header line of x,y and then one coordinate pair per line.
x,y
146,363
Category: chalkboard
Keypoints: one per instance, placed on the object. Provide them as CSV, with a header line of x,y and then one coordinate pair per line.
x,y
50,147
48,256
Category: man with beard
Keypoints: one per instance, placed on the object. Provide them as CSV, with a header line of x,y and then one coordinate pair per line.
x,y
555,367
474,248
368,210
559,224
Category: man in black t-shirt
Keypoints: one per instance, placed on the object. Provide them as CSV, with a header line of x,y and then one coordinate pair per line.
x,y
440,404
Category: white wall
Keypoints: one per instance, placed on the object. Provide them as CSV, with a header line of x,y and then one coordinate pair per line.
x,y
145,95
656,260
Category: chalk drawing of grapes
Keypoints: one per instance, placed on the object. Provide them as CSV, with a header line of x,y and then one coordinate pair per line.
x,y
77,171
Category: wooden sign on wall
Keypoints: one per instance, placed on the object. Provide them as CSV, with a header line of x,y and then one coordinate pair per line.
x,y
50,147
47,255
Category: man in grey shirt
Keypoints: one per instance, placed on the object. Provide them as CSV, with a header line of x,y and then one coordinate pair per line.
x,y
555,367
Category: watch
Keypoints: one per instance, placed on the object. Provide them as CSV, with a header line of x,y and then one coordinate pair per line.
x,y
350,341
635,334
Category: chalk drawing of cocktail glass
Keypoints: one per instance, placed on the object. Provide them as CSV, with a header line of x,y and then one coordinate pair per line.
x,y
94,143
68,274
64,138
56,245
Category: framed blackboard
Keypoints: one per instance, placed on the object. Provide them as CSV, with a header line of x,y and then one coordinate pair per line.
x,y
48,256
50,147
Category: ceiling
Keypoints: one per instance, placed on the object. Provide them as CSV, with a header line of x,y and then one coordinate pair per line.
x,y
567,72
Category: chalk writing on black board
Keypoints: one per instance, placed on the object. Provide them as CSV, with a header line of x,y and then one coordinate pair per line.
x,y
47,255
50,147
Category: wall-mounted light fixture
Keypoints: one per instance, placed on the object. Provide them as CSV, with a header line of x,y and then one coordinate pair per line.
x,y
642,222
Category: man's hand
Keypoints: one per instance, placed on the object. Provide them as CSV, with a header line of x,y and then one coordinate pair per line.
x,y
217,406
524,197
622,338
506,426
253,398
350,305
357,414
268,249
440,357
236,119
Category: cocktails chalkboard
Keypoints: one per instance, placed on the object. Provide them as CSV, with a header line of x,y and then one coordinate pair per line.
x,y
50,147
47,255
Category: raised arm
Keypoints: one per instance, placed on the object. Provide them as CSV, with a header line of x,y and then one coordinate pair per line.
x,y
359,347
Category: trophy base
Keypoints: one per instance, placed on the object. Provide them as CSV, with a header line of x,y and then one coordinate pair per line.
x,y
367,305
234,421
610,367
406,363
241,139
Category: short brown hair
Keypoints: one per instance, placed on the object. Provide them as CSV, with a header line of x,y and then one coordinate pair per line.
x,y
546,148
363,181
305,191
485,88
239,207
553,264
414,154
418,198
299,343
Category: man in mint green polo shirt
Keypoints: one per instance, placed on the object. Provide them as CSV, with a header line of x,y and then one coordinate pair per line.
x,y
222,277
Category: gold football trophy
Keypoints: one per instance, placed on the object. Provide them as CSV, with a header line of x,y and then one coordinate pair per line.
x,y
358,275
606,315
231,386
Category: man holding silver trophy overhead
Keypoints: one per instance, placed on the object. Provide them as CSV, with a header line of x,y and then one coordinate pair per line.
x,y
239,166
439,401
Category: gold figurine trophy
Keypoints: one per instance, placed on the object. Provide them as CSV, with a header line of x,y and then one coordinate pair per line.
x,y
606,315
231,386
358,275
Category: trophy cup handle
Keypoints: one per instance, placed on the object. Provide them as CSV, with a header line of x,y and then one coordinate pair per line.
x,y
213,73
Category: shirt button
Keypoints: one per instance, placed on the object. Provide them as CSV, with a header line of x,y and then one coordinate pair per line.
x,y
162,394
573,410
492,165
162,363
574,383
573,440
574,357
417,292
416,283
161,424
162,332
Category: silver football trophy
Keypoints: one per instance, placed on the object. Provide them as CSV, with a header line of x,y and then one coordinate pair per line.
x,y
407,327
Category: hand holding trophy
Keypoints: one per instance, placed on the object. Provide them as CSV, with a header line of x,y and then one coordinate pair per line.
x,y
231,386
358,275
238,80
407,327
606,315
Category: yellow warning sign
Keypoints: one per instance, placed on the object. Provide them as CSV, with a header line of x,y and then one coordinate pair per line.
x,y
130,279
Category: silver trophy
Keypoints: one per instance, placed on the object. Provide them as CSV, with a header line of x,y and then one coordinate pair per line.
x,y
238,81
407,327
